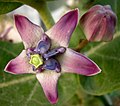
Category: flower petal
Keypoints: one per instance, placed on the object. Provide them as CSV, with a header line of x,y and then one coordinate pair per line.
x,y
29,32
48,81
61,32
74,62
19,65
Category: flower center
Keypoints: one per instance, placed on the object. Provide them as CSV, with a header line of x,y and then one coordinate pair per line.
x,y
36,60
43,58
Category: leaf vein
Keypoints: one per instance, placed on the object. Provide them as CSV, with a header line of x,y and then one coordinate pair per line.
x,y
31,94
16,81
108,57
9,52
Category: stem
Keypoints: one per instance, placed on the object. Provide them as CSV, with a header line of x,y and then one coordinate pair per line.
x,y
45,14
108,100
41,7
81,45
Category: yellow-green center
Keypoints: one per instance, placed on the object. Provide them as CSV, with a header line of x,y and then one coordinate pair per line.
x,y
36,60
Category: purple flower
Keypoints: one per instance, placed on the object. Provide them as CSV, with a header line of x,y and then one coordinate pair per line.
x,y
99,23
47,54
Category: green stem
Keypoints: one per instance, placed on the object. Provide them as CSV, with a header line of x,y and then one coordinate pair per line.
x,y
81,45
45,14
41,7
108,100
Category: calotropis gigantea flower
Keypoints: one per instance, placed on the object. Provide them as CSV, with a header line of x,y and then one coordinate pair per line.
x,y
47,54
99,23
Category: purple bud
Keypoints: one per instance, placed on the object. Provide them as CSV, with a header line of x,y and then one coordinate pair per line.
x,y
99,23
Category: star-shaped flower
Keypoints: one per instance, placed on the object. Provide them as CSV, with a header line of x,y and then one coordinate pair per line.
x,y
47,54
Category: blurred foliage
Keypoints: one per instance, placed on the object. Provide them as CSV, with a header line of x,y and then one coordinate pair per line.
x,y
6,7
10,5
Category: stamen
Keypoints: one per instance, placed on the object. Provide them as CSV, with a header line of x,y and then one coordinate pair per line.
x,y
30,51
36,60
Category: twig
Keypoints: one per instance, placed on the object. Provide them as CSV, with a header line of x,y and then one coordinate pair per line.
x,y
81,45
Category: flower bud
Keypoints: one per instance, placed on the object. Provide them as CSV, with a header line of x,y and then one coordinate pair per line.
x,y
99,23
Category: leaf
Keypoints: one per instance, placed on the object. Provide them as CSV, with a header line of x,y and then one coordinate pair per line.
x,y
76,36
8,51
25,90
10,5
22,1
93,102
6,7
107,56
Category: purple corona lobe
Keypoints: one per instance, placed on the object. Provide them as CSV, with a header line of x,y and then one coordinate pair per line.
x,y
52,64
44,45
54,52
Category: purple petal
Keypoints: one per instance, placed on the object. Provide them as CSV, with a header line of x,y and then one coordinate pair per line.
x,y
74,62
48,81
61,32
43,45
29,32
89,21
19,65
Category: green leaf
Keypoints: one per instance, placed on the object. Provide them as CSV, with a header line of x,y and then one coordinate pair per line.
x,y
8,51
92,101
10,5
76,37
6,7
22,1
107,56
25,90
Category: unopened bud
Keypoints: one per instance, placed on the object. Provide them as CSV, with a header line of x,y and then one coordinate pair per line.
x,y
99,23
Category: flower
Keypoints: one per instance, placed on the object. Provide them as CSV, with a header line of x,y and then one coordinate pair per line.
x,y
47,54
99,23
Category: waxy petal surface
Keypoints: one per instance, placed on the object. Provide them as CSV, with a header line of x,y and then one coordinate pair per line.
x,y
61,32
43,45
52,64
19,65
90,23
48,81
29,32
73,62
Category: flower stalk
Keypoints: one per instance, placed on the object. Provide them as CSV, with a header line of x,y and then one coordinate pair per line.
x,y
81,45
44,13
